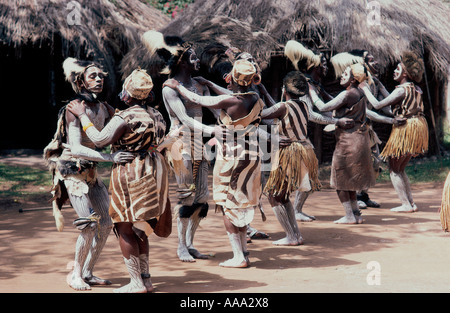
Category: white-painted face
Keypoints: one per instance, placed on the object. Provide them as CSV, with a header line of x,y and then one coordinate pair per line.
x,y
93,79
345,78
398,72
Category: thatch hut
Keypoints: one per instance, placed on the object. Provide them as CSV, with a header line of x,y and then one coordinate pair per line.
x,y
36,37
384,27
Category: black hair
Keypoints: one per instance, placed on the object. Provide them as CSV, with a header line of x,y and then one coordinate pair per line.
x,y
296,84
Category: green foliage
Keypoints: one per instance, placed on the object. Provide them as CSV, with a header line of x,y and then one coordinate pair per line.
x,y
13,179
170,7
422,171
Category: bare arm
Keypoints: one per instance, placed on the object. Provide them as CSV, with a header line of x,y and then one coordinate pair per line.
x,y
115,128
395,97
319,118
108,135
80,151
213,102
373,116
267,97
213,86
333,104
173,101
276,111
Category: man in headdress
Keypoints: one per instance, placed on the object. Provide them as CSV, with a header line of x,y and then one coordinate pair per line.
x,y
314,67
409,138
72,159
187,155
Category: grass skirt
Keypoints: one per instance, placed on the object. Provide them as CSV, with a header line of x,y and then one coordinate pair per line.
x,y
294,162
411,138
445,207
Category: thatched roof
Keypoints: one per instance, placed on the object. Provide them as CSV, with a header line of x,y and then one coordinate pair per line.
x,y
227,31
335,26
100,29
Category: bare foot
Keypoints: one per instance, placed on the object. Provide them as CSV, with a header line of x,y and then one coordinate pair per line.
x,y
131,288
236,263
288,242
197,255
184,255
404,209
78,283
346,220
302,217
96,281
148,284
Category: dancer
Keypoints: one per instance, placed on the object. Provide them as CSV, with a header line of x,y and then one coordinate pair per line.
x,y
351,164
139,189
411,138
340,62
74,171
314,67
296,166
187,156
234,54
237,175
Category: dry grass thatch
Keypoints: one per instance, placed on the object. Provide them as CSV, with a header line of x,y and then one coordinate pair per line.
x,y
102,30
335,26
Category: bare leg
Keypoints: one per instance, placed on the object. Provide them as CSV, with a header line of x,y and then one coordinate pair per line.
x,y
346,198
99,198
182,251
286,217
194,222
235,235
401,184
300,198
129,246
81,204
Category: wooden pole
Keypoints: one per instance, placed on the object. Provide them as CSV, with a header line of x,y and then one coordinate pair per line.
x,y
430,102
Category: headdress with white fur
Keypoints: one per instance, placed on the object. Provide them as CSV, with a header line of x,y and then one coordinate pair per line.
x,y
74,70
296,52
343,60
170,48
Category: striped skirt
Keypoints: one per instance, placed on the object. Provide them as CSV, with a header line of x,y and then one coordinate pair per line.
x,y
139,191
237,180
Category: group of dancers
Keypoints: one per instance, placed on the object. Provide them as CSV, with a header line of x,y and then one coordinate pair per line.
x,y
144,149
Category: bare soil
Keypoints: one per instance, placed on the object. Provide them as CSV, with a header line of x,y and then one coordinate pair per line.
x,y
390,252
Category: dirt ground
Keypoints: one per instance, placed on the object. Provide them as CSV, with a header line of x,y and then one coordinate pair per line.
x,y
390,252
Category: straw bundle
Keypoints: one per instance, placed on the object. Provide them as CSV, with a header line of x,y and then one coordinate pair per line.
x,y
445,207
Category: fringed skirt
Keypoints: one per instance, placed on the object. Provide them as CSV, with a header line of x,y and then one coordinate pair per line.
x,y
296,168
411,138
445,207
